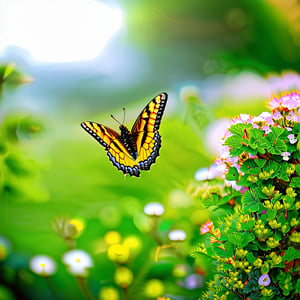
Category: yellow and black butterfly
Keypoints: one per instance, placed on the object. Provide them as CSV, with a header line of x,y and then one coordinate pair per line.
x,y
135,150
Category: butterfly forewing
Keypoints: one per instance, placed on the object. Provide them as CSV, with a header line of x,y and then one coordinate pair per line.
x,y
150,118
146,126
144,134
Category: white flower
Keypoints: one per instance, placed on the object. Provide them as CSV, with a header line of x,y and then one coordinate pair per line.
x,y
177,235
233,184
292,138
42,265
78,261
285,155
208,173
154,209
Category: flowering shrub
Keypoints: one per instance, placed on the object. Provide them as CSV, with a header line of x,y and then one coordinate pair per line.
x,y
256,249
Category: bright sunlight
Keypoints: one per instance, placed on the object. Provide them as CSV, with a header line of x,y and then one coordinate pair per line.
x,y
58,30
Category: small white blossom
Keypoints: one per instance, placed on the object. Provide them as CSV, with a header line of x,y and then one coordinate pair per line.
x,y
78,261
154,209
177,235
42,265
292,138
208,173
285,155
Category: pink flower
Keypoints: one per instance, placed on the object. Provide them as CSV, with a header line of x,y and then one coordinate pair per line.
x,y
207,227
277,115
242,118
292,117
287,101
273,103
266,129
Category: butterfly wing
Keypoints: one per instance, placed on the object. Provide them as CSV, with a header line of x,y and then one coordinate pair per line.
x,y
116,151
145,128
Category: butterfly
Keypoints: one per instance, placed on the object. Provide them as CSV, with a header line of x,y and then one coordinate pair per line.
x,y
135,150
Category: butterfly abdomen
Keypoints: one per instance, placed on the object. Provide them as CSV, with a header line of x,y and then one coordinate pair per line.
x,y
129,141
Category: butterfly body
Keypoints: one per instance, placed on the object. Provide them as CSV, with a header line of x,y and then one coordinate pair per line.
x,y
135,150
128,140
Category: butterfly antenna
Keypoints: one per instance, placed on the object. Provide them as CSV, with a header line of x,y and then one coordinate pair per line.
x,y
123,115
115,119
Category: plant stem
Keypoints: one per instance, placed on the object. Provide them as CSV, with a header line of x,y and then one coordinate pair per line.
x,y
82,284
51,287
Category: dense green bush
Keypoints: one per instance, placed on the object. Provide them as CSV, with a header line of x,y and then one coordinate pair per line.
x,y
256,249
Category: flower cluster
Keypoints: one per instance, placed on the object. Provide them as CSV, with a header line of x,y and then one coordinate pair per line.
x,y
270,139
257,249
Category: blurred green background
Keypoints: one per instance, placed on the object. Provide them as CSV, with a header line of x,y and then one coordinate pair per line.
x,y
213,58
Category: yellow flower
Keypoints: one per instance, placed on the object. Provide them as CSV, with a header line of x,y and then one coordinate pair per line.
x,y
112,237
154,288
133,243
109,293
118,253
123,277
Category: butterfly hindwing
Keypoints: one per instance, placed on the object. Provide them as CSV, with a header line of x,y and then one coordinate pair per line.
x,y
135,150
116,151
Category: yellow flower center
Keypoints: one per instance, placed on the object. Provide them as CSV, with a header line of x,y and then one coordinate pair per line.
x,y
77,260
42,265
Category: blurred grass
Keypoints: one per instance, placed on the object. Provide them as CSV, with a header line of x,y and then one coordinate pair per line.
x,y
81,182
63,171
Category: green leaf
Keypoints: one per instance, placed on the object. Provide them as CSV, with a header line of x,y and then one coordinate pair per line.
x,y
223,200
229,246
260,162
298,169
271,214
238,129
251,247
263,246
251,201
297,287
227,266
236,238
221,252
251,258
235,151
265,268
277,131
295,182
272,166
282,172
234,141
247,238
250,167
278,147
248,226
232,174
291,254
8,70
257,139
296,128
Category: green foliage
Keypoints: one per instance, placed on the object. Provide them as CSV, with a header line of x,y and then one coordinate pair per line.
x,y
259,244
